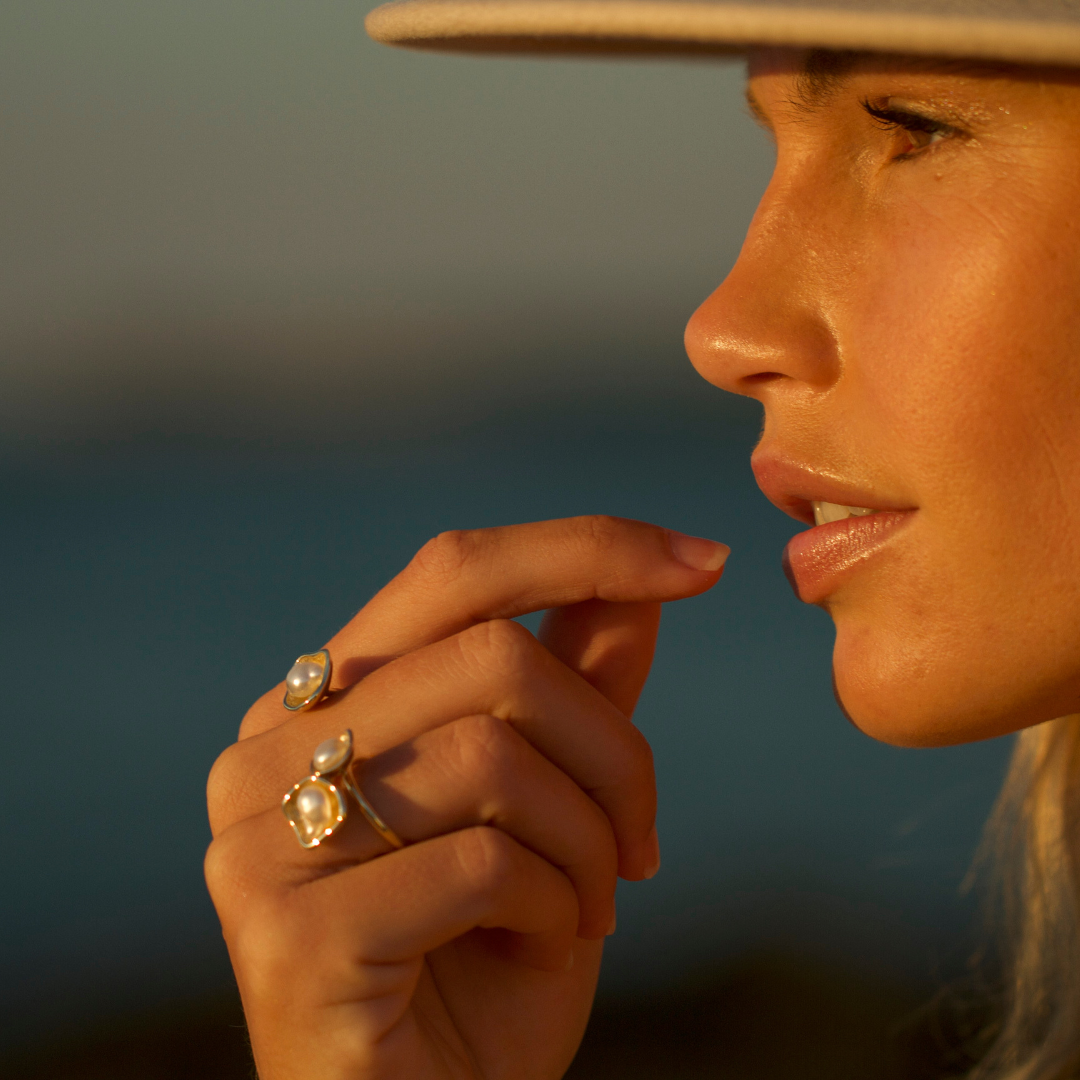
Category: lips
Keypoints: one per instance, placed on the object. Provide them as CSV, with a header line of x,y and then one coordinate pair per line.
x,y
850,524
818,560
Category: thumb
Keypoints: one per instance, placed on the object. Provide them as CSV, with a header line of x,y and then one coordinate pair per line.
x,y
610,645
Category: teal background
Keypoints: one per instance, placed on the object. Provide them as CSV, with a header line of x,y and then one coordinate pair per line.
x,y
274,298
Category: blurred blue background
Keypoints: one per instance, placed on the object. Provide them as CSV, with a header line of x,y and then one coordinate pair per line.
x,y
276,306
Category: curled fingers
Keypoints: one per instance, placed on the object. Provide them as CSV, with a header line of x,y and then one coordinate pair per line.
x,y
495,668
384,911
476,771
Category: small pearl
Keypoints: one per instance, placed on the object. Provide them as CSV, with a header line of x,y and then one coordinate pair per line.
x,y
332,754
304,678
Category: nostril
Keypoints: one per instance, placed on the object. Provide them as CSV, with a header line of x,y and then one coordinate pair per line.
x,y
763,377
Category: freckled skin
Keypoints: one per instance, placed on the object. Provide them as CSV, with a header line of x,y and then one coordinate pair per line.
x,y
909,315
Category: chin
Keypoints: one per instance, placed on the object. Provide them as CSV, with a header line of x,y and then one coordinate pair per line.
x,y
922,696
896,727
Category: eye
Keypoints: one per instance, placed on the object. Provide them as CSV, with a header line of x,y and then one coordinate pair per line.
x,y
916,131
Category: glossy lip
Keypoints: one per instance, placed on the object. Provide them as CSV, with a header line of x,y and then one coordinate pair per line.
x,y
792,487
818,560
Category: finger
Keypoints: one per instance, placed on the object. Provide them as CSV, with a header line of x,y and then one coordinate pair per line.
x,y
462,578
397,908
477,878
480,771
475,771
496,668
609,645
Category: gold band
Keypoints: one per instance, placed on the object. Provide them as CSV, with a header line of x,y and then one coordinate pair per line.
x,y
349,783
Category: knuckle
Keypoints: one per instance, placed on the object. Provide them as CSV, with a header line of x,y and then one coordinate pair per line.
x,y
483,750
607,847
224,872
486,857
641,751
217,871
633,769
250,724
500,647
596,824
640,766
232,787
604,531
222,783
444,557
266,922
630,768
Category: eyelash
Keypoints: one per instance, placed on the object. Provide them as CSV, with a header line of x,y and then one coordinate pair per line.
x,y
902,120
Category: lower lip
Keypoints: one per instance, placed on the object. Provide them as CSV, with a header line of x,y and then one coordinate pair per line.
x,y
819,560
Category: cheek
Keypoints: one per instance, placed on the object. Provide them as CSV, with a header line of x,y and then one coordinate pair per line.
x,y
967,388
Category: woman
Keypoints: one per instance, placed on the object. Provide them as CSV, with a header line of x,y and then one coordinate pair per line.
x,y
905,309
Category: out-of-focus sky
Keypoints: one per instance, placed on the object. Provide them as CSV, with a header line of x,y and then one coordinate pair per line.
x,y
216,214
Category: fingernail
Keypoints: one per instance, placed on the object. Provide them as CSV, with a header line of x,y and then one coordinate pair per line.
x,y
611,927
697,552
654,862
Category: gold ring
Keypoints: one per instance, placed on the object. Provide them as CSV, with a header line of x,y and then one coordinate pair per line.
x,y
376,822
308,681
316,807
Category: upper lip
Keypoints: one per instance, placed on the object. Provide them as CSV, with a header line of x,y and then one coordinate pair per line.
x,y
793,487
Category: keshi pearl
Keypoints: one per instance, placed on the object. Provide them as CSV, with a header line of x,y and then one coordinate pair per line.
x,y
313,810
303,678
332,754
313,805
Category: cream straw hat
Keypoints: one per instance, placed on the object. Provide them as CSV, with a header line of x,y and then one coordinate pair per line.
x,y
1025,31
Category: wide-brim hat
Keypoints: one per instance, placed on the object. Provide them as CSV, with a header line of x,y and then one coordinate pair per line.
x,y
1022,31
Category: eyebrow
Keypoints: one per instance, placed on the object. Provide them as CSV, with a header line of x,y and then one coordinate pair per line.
x,y
825,71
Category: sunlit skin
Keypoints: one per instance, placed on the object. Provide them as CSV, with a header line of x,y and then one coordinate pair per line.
x,y
905,309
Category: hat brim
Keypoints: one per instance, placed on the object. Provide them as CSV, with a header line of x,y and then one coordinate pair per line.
x,y
1015,33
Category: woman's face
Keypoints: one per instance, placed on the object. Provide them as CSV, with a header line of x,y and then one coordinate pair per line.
x,y
907,309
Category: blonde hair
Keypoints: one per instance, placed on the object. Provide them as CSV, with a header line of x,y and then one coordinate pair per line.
x,y
1033,843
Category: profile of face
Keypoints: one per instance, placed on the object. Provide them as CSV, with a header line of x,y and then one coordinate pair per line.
x,y
907,309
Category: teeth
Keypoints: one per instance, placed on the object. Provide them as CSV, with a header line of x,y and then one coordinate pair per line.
x,y
824,512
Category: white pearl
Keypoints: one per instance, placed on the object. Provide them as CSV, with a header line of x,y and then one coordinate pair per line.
x,y
332,754
313,804
313,811
304,678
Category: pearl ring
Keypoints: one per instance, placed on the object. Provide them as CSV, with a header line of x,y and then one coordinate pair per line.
x,y
308,681
317,806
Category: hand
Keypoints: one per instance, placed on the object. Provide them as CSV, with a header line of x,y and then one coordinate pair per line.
x,y
510,767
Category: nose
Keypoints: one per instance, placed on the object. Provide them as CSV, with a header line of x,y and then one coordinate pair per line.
x,y
770,325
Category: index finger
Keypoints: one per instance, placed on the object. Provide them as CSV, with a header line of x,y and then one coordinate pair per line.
x,y
469,576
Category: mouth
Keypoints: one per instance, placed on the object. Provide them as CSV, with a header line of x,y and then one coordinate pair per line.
x,y
847,529
827,512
